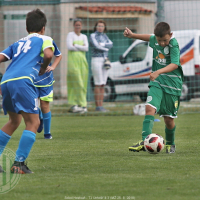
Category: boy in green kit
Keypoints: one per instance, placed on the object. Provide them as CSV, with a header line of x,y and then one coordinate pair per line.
x,y
165,83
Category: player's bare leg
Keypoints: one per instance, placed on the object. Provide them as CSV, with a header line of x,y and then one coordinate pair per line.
x,y
44,106
169,122
12,124
31,121
150,110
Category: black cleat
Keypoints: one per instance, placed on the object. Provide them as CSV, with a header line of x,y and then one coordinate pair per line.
x,y
48,136
40,128
20,168
139,146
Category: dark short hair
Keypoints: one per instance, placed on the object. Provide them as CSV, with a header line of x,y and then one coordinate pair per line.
x,y
161,29
77,20
100,21
35,21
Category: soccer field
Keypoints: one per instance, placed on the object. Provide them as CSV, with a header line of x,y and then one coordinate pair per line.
x,y
88,158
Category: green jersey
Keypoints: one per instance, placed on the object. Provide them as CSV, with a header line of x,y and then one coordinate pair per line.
x,y
170,82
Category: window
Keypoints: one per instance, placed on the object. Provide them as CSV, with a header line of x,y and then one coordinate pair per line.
x,y
137,54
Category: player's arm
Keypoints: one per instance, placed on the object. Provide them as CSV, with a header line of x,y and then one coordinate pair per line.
x,y
3,58
128,33
48,54
169,68
55,63
6,54
57,60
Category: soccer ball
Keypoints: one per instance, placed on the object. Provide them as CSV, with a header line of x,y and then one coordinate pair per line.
x,y
154,143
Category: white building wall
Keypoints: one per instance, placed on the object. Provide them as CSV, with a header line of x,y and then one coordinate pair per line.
x,y
182,15
67,11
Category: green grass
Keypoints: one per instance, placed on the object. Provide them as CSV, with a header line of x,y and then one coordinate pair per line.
x,y
89,157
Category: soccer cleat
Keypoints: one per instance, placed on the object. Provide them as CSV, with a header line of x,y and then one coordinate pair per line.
x,y
20,168
170,148
139,146
1,169
40,128
48,136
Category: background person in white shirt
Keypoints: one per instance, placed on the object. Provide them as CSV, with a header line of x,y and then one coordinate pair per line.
x,y
77,74
100,45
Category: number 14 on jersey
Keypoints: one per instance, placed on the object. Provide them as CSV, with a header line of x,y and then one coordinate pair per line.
x,y
23,47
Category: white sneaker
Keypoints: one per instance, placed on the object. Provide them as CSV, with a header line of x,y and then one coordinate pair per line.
x,y
75,109
84,110
71,109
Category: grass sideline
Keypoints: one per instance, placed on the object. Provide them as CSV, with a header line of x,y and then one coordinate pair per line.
x,y
60,108
89,158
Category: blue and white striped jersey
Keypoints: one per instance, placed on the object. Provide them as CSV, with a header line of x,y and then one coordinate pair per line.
x,y
47,79
100,44
26,55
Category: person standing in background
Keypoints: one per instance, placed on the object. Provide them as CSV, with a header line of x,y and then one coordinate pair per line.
x,y
100,46
77,74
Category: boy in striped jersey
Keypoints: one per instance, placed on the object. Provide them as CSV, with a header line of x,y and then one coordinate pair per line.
x,y
44,86
165,83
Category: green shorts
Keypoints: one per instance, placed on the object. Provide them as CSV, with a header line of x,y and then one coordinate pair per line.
x,y
164,103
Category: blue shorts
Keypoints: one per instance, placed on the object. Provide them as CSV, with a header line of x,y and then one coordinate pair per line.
x,y
45,93
19,95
